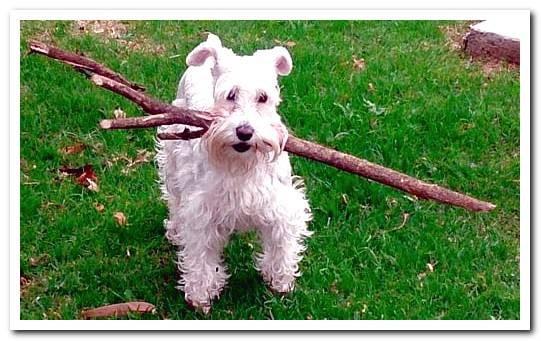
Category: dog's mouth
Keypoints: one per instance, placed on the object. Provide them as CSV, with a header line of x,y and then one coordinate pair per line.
x,y
241,147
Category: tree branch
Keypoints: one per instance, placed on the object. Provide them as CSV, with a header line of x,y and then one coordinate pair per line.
x,y
81,63
324,155
166,114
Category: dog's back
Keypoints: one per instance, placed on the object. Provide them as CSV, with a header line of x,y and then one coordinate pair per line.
x,y
195,91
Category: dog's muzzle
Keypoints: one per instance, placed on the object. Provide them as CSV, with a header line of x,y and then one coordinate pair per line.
x,y
244,133
241,147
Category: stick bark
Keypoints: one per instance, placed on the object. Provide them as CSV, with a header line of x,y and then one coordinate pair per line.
x,y
166,114
81,63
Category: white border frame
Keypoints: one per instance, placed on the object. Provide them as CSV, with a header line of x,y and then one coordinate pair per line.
x,y
521,19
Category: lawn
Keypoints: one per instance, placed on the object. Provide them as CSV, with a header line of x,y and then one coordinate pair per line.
x,y
397,93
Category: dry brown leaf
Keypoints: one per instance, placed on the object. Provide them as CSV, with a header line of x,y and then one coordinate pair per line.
x,y
358,63
115,159
290,43
35,261
84,176
25,282
143,156
99,207
73,149
93,186
120,309
120,218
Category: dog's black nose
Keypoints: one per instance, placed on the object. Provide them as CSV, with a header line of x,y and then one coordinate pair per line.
x,y
245,132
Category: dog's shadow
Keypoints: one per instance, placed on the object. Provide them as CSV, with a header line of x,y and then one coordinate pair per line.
x,y
245,285
245,289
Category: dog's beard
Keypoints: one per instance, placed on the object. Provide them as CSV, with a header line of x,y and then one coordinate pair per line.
x,y
266,145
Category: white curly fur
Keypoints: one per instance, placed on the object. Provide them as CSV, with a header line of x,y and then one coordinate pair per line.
x,y
213,190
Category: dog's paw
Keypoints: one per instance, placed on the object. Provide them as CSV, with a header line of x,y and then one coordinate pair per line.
x,y
201,307
281,288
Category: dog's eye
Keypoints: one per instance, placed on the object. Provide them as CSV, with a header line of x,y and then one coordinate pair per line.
x,y
231,95
262,98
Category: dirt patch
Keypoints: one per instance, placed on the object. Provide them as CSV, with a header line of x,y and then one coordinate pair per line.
x,y
492,67
118,31
455,33
108,28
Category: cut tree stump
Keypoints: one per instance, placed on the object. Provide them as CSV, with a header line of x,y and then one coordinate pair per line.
x,y
494,39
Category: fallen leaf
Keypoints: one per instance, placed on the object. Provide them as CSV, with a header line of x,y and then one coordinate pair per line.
x,y
119,309
24,282
119,113
421,276
93,186
290,43
74,149
115,159
88,178
84,176
120,218
99,207
358,63
143,156
35,261
431,266
371,87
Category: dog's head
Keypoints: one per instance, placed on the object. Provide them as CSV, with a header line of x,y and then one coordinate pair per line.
x,y
246,95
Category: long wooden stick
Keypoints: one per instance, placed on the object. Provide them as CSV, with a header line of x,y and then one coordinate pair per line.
x,y
166,114
80,63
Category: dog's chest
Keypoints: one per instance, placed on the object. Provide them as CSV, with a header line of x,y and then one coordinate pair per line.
x,y
241,202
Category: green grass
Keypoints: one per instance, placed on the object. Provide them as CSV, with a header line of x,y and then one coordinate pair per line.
x,y
428,112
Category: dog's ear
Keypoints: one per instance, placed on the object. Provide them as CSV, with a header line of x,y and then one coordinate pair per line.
x,y
279,57
203,51
282,59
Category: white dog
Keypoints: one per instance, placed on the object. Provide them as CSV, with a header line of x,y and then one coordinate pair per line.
x,y
237,176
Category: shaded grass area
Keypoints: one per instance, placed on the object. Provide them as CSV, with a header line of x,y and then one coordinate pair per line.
x,y
418,106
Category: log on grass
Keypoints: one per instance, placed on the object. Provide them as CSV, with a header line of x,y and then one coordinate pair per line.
x,y
119,309
494,38
166,114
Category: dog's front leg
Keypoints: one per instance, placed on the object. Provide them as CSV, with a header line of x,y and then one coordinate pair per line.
x,y
200,261
282,240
